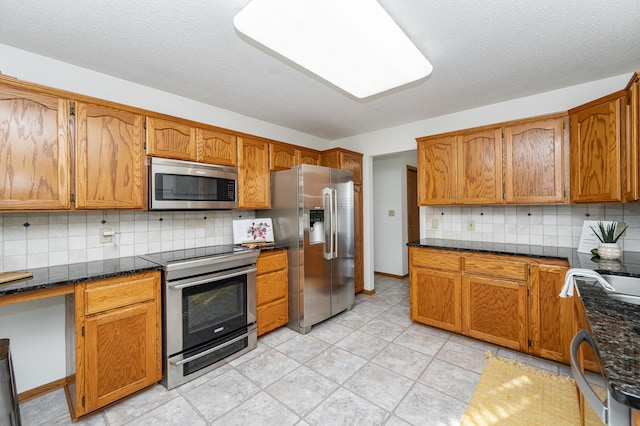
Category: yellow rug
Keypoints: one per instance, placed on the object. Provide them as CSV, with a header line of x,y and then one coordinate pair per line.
x,y
510,393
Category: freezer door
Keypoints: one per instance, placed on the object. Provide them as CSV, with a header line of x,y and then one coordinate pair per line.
x,y
315,289
342,266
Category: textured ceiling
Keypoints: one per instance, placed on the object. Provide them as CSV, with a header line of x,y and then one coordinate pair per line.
x,y
482,52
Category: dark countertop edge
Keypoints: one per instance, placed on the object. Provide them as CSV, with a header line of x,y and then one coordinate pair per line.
x,y
276,247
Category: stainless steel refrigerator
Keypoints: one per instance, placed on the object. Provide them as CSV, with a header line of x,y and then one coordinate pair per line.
x,y
312,212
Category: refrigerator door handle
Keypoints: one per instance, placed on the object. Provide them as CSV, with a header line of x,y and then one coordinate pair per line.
x,y
334,223
327,251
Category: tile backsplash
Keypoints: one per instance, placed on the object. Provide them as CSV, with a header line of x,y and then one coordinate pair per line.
x,y
558,226
33,240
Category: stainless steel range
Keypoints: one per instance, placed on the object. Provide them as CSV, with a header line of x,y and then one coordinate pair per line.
x,y
209,309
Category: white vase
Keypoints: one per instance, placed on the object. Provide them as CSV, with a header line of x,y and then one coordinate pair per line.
x,y
609,251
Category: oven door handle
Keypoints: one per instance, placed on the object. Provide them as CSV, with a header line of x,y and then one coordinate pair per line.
x,y
589,395
211,350
189,283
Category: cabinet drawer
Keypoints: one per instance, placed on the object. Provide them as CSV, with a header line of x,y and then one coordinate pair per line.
x,y
272,286
497,268
271,261
120,291
436,259
272,316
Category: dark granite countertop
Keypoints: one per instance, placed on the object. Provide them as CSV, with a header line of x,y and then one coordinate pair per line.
x,y
615,324
54,276
616,332
628,265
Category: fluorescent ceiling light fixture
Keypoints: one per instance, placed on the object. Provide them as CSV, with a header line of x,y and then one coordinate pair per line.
x,y
353,44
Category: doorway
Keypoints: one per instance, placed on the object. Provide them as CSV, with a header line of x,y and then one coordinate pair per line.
x,y
413,210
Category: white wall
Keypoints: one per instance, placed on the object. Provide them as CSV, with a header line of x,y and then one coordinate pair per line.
x,y
402,138
390,232
34,68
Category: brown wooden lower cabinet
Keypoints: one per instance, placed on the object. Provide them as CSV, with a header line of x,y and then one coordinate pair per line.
x,y
495,310
118,339
511,301
272,289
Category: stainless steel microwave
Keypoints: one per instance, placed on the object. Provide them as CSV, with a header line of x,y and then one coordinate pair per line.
x,y
185,185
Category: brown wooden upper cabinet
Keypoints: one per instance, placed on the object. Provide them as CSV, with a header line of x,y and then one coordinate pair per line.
x,y
183,141
254,180
282,156
343,159
216,147
170,139
437,171
34,150
599,163
518,162
480,167
534,162
307,156
109,158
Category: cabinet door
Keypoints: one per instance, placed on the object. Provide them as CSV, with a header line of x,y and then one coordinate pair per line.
x,y
34,151
358,262
551,325
435,298
480,167
305,156
254,181
118,338
216,147
596,152
495,310
109,158
352,163
120,353
534,168
272,290
170,139
437,175
281,156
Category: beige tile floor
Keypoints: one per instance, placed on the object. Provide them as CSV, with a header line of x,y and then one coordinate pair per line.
x,y
369,366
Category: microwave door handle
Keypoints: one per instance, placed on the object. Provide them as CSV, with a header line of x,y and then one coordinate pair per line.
x,y
190,283
589,395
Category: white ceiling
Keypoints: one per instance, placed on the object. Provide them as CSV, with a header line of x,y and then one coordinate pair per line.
x,y
483,52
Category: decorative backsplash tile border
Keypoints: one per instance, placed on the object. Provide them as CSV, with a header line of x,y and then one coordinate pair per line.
x,y
556,225
33,240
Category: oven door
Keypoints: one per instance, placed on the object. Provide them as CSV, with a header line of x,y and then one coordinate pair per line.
x,y
205,308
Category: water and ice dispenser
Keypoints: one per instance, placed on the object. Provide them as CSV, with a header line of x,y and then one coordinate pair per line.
x,y
316,226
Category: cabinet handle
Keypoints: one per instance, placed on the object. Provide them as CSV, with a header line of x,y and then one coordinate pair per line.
x,y
209,351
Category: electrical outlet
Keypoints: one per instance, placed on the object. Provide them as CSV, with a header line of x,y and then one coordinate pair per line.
x,y
471,225
434,223
105,235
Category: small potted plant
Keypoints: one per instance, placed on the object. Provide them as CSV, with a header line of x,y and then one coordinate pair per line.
x,y
608,236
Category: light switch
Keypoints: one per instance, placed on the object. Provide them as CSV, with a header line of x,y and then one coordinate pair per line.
x,y
392,212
